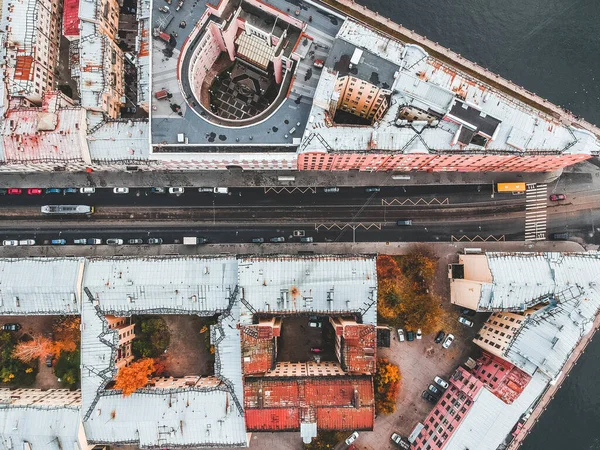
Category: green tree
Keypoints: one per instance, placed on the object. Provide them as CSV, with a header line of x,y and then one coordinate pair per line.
x,y
152,337
12,371
67,368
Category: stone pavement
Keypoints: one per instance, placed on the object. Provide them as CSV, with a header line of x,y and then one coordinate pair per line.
x,y
240,178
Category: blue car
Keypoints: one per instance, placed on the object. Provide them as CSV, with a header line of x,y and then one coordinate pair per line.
x,y
59,241
70,190
53,191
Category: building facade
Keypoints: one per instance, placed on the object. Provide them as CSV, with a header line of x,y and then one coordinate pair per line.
x,y
123,325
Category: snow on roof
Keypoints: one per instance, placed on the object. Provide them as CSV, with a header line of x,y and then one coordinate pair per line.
x,y
305,284
39,286
568,283
39,427
36,135
490,420
426,83
125,286
120,140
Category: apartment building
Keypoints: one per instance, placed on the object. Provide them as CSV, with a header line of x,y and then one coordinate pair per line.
x,y
31,47
123,325
361,98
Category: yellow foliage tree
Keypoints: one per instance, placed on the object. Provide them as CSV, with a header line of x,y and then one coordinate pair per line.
x,y
134,376
387,385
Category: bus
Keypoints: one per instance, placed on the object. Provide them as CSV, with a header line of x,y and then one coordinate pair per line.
x,y
510,187
67,209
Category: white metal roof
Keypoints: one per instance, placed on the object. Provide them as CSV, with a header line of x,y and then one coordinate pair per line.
x,y
39,286
120,140
490,420
42,427
312,283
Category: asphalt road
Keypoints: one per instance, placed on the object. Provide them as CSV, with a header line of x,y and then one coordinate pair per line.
x,y
438,213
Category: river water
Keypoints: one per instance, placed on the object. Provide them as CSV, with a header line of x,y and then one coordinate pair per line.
x,y
552,48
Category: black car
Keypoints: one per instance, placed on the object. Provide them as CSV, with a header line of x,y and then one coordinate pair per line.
x,y
560,236
467,312
11,327
439,337
410,336
425,395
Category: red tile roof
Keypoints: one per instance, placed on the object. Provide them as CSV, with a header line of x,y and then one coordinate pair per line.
x,y
71,18
360,344
336,403
504,379
257,349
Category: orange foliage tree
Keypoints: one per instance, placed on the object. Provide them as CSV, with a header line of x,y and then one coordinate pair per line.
x,y
403,298
387,385
27,351
134,376
67,333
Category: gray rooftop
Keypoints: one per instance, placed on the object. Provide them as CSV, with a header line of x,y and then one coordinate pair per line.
x,y
39,286
309,284
120,140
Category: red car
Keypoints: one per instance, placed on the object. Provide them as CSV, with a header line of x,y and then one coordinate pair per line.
x,y
557,197
15,191
316,349
34,191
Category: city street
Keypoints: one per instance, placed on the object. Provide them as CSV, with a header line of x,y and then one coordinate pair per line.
x,y
437,214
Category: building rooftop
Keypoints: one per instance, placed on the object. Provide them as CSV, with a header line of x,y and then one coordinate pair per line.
x,y
292,284
53,289
120,140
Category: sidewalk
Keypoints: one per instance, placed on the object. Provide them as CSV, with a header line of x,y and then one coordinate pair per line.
x,y
239,178
340,248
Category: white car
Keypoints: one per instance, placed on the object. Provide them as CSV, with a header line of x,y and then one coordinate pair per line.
x,y
176,190
419,334
449,339
352,438
121,190
11,242
114,241
400,334
466,322
87,190
27,242
441,382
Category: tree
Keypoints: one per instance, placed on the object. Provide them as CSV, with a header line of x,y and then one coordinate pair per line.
x,y
12,371
67,368
134,376
67,333
152,337
387,385
35,348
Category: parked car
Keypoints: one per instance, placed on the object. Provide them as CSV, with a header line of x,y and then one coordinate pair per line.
x,y
557,197
352,438
441,382
206,190
316,349
277,239
176,190
94,241
135,241
402,443
449,339
155,241
434,389
560,236
371,190
34,191
221,190
49,358
14,191
315,324
467,312
53,191
426,395
331,190
419,334
404,223
3,191
202,240
10,243
80,241
27,242
70,190
400,334
158,190
439,337
465,321
11,327
410,336
58,241
87,190
258,240
114,241
121,190
307,239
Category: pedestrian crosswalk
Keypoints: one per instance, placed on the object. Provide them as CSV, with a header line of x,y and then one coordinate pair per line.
x,y
536,196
